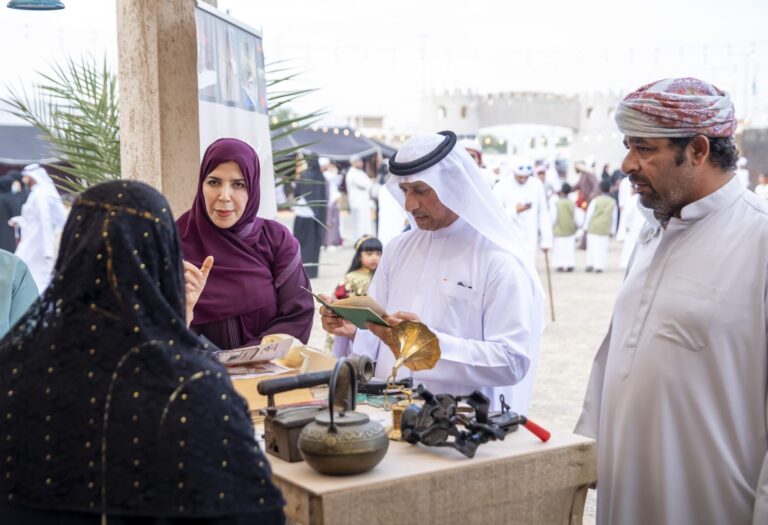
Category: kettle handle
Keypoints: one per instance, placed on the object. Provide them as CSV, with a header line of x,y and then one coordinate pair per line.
x,y
332,387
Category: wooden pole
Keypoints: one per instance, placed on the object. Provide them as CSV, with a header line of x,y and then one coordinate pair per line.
x,y
549,285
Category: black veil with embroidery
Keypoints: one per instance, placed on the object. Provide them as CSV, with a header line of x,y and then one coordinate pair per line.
x,y
109,404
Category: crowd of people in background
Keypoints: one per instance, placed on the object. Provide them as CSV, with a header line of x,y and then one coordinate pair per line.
x,y
558,207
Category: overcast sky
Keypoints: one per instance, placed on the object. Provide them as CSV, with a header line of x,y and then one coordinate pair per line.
x,y
377,57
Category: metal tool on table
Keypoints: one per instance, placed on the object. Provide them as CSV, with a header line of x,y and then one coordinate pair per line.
x,y
282,426
437,422
341,441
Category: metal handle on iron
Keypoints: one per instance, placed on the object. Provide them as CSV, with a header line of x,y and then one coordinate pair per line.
x,y
283,384
352,391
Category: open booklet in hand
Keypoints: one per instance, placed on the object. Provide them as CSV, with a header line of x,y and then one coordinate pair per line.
x,y
356,310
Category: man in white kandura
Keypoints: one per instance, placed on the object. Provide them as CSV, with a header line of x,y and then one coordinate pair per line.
x,y
462,271
525,201
677,395
41,221
359,197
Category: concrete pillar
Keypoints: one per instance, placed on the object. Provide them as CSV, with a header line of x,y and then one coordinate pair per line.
x,y
159,124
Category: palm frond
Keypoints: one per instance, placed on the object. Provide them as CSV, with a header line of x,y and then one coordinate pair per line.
x,y
284,123
75,107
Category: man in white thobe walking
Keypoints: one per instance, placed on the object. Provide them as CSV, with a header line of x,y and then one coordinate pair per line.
x,y
462,271
42,218
677,395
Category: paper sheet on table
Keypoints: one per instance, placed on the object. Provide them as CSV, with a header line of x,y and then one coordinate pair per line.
x,y
257,370
254,354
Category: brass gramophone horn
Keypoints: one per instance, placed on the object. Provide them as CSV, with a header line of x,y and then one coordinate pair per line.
x,y
419,347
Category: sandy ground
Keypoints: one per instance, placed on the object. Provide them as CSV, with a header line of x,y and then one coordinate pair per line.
x,y
583,303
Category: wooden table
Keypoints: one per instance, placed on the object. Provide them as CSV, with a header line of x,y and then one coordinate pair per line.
x,y
516,481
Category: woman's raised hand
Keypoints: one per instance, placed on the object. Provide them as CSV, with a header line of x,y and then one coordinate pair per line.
x,y
194,283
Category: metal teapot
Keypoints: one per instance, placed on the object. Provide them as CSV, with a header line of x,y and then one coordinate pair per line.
x,y
342,441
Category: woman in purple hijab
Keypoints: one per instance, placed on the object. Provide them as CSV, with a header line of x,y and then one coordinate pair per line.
x,y
254,286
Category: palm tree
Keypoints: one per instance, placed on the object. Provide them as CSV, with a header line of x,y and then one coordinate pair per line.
x,y
75,107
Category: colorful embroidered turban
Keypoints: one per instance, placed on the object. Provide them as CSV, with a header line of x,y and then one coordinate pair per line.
x,y
677,107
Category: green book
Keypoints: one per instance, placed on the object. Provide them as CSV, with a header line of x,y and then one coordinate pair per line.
x,y
357,315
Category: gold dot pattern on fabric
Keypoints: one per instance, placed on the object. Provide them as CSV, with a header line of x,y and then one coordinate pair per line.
x,y
222,495
182,444
92,351
135,418
48,481
90,375
224,464
10,393
99,256
87,444
183,419
226,418
50,369
136,395
181,465
136,484
135,440
183,397
223,397
136,462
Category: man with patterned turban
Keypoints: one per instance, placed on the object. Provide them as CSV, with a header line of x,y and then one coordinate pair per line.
x,y
677,395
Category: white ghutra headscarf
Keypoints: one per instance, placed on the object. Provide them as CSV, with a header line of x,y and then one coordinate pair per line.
x,y
460,186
